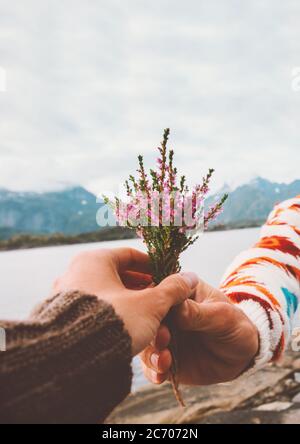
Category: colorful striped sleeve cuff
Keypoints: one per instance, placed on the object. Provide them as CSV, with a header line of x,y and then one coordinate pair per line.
x,y
264,281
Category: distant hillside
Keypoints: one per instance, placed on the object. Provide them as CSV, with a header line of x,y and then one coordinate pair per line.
x,y
252,202
73,211
22,241
70,212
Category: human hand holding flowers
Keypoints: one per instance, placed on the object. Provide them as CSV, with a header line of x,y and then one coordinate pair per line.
x,y
121,277
216,341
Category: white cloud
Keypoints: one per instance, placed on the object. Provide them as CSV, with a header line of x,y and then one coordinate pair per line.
x,y
92,84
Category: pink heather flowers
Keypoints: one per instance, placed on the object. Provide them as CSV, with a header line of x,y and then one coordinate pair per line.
x,y
165,213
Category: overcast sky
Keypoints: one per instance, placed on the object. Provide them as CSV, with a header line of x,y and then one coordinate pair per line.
x,y
92,84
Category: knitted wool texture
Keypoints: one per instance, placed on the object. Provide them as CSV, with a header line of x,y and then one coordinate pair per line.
x,y
69,363
264,281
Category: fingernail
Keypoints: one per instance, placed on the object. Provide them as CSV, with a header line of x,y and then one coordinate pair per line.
x,y
154,360
190,278
154,376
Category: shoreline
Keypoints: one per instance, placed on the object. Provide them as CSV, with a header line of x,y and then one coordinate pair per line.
x,y
26,241
263,397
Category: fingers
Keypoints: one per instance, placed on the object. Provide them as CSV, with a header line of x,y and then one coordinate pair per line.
x,y
131,259
163,338
154,377
207,293
205,317
177,288
157,359
109,265
173,290
134,280
156,364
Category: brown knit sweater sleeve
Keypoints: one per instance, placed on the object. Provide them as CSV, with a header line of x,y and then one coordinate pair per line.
x,y
69,363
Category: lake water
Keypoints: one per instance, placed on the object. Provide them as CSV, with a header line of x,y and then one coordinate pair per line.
x,y
26,275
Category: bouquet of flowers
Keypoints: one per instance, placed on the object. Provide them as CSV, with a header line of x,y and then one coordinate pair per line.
x,y
168,216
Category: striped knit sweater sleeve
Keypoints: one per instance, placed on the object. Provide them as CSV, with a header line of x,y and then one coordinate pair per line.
x,y
264,281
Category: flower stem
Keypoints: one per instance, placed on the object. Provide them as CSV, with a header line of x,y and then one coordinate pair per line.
x,y
167,265
173,347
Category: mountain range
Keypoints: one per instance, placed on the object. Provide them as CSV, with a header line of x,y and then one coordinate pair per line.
x,y
252,202
73,210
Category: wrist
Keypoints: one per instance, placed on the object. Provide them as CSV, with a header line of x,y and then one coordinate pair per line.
x,y
258,319
255,347
120,307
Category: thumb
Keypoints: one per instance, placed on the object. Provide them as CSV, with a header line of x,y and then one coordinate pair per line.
x,y
173,290
209,317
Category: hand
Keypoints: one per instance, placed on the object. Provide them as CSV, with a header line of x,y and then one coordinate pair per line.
x,y
216,341
122,278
